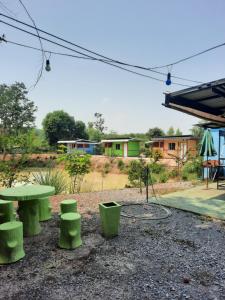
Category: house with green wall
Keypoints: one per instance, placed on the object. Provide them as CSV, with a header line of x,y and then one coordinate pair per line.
x,y
122,147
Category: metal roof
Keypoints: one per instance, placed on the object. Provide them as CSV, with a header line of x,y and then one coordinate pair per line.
x,y
206,101
120,140
174,137
78,141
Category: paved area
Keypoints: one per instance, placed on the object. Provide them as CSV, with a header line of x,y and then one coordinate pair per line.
x,y
209,202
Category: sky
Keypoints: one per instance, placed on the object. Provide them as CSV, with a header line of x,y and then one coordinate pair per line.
x,y
143,32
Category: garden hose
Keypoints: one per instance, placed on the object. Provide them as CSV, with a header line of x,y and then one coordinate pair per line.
x,y
167,211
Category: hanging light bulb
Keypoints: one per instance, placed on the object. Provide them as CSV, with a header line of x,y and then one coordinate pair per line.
x,y
47,65
168,80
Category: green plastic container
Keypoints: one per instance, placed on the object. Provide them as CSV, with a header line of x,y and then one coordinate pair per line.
x,y
110,218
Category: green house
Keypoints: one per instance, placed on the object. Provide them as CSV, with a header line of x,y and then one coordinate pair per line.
x,y
123,147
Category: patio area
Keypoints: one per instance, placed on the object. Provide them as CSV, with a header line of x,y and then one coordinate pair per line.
x,y
209,202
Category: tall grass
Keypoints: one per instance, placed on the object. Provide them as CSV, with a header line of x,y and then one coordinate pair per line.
x,y
53,178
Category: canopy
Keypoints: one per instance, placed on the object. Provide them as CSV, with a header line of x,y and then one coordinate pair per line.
x,y
206,101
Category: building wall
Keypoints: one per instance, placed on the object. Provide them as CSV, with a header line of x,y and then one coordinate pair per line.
x,y
133,149
87,148
112,151
191,146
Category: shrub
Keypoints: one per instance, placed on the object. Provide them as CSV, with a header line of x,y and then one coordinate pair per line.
x,y
121,165
163,178
152,179
136,173
193,166
53,178
156,155
156,168
174,173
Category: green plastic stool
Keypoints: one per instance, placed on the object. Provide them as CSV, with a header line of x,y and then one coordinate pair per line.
x,y
110,218
67,206
7,212
70,228
45,209
11,242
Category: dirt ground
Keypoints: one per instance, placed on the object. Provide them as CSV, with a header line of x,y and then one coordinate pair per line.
x,y
88,202
181,257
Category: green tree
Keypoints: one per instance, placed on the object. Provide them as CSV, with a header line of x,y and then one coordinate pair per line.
x,y
154,132
16,110
99,122
178,132
197,131
170,131
77,164
60,125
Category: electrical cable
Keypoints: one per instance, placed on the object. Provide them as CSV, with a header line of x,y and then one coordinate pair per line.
x,y
106,62
6,9
41,45
95,53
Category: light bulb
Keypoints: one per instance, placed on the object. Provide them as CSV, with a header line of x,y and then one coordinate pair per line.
x,y
168,80
47,66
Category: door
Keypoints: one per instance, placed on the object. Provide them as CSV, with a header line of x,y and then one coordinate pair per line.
x,y
183,151
125,150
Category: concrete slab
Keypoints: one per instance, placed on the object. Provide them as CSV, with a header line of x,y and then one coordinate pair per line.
x,y
209,202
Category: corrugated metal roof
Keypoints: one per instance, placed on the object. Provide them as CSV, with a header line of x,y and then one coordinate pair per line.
x,y
206,101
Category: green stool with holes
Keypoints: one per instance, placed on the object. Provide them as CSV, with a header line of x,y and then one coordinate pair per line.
x,y
11,242
70,231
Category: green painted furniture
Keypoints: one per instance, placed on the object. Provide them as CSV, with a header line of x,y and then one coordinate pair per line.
x,y
70,231
45,209
11,242
69,205
7,212
110,218
28,204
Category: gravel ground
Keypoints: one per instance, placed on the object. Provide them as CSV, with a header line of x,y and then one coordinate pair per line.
x,y
181,257
88,202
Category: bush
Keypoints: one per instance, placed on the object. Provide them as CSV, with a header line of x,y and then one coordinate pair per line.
x,y
156,168
53,178
152,179
163,178
174,173
193,166
121,165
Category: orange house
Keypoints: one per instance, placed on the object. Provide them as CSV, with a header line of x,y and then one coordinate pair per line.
x,y
175,146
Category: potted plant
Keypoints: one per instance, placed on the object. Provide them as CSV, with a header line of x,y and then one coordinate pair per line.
x,y
110,218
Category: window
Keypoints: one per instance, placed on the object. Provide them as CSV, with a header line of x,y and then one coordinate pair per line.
x,y
161,144
117,146
108,145
172,146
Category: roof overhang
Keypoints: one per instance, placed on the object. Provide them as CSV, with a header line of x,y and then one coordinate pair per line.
x,y
205,101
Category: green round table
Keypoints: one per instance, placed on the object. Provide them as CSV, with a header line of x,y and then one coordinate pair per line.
x,y
28,197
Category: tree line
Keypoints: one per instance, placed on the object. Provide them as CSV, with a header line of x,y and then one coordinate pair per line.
x,y
17,120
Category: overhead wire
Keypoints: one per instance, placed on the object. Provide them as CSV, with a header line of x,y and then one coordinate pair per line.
x,y
41,45
6,9
100,55
106,62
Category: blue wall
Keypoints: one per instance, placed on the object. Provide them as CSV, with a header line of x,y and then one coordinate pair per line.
x,y
215,135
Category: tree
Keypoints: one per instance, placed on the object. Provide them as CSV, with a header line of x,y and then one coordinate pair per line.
x,y
155,132
170,131
77,164
197,131
178,132
16,110
99,122
60,125
80,130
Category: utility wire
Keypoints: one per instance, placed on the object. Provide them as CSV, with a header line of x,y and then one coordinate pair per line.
x,y
95,53
41,45
106,62
60,53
